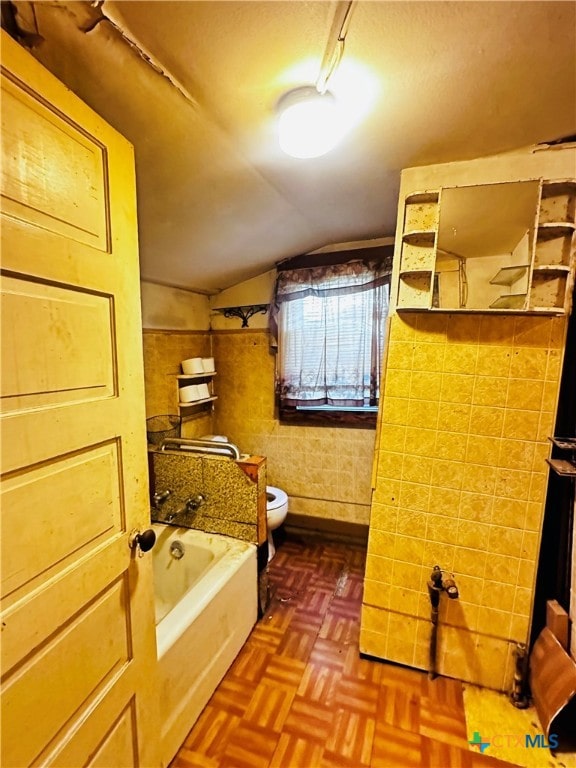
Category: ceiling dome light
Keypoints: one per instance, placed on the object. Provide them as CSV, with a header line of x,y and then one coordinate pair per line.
x,y
308,124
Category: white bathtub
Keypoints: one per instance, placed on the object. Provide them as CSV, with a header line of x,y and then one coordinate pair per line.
x,y
206,606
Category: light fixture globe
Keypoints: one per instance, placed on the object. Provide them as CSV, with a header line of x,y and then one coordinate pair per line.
x,y
308,123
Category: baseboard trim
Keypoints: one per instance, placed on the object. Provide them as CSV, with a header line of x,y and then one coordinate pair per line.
x,y
337,530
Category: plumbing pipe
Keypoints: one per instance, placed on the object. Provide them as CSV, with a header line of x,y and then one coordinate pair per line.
x,y
434,593
436,585
518,695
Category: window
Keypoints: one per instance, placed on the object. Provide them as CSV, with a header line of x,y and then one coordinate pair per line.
x,y
330,332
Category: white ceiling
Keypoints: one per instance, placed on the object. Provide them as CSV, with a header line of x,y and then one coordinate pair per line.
x,y
218,201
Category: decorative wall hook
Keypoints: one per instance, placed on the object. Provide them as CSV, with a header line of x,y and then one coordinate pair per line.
x,y
245,313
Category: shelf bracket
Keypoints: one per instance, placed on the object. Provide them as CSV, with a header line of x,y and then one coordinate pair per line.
x,y
564,467
245,313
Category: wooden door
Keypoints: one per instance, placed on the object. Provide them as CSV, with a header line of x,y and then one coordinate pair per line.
x,y
78,643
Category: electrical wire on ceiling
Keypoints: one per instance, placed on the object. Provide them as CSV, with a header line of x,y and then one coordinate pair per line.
x,y
335,46
310,120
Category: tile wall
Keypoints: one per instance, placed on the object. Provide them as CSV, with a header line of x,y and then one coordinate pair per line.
x,y
163,353
469,403
234,493
325,471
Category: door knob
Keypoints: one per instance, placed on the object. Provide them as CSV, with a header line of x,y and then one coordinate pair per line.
x,y
142,541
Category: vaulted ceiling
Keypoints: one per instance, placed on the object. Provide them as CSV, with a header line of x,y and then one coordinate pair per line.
x,y
194,86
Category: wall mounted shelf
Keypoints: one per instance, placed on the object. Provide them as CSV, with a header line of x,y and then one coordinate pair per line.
x,y
417,198
512,301
509,275
459,243
553,229
418,253
205,376
423,238
198,402
551,268
564,467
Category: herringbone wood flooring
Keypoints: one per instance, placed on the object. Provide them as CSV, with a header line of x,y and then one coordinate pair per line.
x,y
299,696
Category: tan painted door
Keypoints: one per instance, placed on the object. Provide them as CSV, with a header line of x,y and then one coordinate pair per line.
x,y
78,645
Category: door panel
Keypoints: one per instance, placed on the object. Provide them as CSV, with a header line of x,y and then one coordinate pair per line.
x,y
79,663
87,486
78,638
57,179
28,621
118,743
112,745
58,345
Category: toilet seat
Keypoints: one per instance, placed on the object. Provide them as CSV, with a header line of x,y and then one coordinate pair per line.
x,y
276,511
275,497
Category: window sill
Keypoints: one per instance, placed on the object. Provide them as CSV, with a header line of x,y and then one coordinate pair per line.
x,y
320,417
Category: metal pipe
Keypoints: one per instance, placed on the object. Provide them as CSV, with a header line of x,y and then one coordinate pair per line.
x,y
434,593
436,585
201,446
518,694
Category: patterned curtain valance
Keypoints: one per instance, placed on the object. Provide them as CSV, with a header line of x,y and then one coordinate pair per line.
x,y
327,280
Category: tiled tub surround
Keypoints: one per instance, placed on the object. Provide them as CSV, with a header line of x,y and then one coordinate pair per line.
x,y
234,492
469,403
163,353
326,471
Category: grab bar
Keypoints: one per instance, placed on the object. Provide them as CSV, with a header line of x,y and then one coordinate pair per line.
x,y
201,446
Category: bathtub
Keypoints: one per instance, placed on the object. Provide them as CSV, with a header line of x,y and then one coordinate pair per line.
x,y
206,606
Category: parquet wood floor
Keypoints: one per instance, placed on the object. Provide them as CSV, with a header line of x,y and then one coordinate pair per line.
x,y
299,695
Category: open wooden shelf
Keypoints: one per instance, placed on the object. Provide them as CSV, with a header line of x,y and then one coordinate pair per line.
x,y
512,301
205,375
509,275
564,467
421,237
198,402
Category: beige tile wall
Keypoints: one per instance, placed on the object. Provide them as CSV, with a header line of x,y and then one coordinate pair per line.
x,y
461,476
163,353
325,471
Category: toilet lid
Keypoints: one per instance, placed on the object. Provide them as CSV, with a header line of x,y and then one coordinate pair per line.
x,y
275,497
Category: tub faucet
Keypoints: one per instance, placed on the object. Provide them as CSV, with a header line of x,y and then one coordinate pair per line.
x,y
160,497
194,502
441,583
449,586
190,505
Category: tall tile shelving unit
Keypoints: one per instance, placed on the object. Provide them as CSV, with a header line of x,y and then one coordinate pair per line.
x,y
539,280
553,254
418,250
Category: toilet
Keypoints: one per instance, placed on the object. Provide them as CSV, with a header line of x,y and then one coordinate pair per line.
x,y
276,503
276,511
